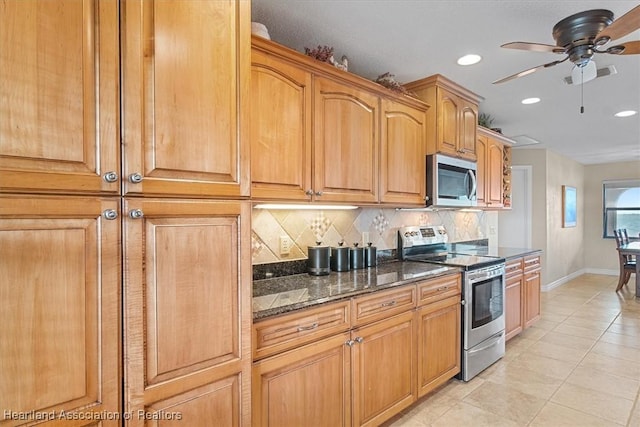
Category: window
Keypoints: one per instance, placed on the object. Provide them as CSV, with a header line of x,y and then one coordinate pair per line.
x,y
621,207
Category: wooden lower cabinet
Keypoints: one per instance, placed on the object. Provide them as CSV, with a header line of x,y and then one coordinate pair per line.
x,y
59,310
439,340
383,369
308,386
522,294
187,288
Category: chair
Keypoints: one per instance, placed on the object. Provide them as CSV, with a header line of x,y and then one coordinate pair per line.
x,y
627,263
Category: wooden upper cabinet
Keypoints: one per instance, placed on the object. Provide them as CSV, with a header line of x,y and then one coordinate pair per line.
x,y
60,286
59,96
280,128
186,82
345,143
403,151
187,316
452,118
490,169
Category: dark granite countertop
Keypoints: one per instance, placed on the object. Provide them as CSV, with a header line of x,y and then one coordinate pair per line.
x,y
284,294
499,252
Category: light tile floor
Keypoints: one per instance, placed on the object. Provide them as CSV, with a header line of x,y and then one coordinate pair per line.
x,y
579,365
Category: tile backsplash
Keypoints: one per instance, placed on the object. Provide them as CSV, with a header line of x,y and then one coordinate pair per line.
x,y
306,227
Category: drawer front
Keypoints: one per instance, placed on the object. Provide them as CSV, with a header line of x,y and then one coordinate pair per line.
x,y
437,289
514,267
283,333
532,263
380,305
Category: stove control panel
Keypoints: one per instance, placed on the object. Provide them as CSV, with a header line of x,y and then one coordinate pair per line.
x,y
422,235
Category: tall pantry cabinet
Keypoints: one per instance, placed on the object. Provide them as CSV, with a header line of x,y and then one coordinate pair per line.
x,y
124,214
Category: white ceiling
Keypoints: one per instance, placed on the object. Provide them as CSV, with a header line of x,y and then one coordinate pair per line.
x,y
418,38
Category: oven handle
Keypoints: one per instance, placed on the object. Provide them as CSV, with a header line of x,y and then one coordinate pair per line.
x,y
494,340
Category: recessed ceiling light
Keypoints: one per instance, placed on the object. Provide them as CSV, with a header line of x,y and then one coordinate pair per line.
x,y
469,59
530,101
626,113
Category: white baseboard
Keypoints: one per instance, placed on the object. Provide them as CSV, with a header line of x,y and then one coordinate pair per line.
x,y
565,279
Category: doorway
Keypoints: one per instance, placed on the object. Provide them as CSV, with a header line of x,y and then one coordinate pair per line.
x,y
514,226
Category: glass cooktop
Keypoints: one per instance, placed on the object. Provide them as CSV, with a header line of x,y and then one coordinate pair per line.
x,y
457,260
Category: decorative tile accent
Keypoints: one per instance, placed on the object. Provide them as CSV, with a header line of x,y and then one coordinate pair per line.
x,y
330,227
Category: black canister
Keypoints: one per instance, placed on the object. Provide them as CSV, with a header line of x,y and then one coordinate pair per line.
x,y
319,259
340,258
370,259
357,257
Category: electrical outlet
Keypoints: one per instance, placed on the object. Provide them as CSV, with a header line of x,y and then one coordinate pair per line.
x,y
285,245
492,230
365,238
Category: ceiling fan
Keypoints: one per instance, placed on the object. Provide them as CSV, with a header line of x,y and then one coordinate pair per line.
x,y
582,35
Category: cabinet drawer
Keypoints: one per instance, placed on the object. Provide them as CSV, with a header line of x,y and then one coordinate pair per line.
x,y
514,267
436,289
380,305
283,333
531,263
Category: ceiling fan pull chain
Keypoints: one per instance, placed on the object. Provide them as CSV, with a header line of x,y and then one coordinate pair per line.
x,y
582,90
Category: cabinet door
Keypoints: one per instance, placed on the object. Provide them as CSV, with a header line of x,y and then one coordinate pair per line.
x,y
306,386
280,129
186,75
494,188
447,122
59,96
438,343
468,125
187,309
513,306
402,154
60,308
384,369
345,143
531,298
482,145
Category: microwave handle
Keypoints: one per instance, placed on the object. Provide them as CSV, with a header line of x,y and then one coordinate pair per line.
x,y
474,184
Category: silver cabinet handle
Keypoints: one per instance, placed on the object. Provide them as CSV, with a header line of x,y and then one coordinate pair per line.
x,y
442,288
388,304
359,340
463,302
350,343
135,178
136,214
308,328
110,214
110,176
318,193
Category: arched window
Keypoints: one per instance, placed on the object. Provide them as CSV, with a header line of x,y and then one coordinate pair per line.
x,y
621,203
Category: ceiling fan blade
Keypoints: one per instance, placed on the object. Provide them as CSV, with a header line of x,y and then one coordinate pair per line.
x,y
622,26
535,47
529,71
631,48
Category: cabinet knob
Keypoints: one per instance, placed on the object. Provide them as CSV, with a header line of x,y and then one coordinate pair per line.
x,y
135,178
136,214
463,302
318,193
350,343
309,192
110,176
359,340
110,214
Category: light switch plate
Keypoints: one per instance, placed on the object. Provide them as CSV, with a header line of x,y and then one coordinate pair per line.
x,y
285,245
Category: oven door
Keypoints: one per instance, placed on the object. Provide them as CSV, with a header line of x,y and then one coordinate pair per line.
x,y
484,304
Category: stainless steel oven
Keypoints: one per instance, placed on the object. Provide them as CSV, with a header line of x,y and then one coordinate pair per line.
x,y
483,319
483,293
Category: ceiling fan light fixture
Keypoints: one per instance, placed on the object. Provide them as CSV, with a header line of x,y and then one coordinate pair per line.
x,y
626,113
584,73
469,59
528,101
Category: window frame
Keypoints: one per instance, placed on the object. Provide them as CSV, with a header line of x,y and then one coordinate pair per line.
x,y
631,183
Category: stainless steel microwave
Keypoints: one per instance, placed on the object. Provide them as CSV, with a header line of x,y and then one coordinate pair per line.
x,y
451,182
